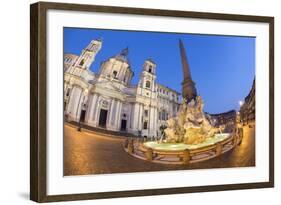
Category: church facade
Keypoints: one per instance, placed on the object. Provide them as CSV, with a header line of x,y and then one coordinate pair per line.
x,y
107,99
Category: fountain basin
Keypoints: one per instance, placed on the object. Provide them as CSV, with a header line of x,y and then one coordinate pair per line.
x,y
180,153
158,146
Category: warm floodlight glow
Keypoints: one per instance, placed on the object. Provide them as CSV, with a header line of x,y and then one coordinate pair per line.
x,y
86,91
241,102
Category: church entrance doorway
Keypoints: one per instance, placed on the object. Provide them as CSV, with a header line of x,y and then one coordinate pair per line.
x,y
123,125
103,116
82,115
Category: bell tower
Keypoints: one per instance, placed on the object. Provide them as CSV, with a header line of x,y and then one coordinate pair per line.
x,y
148,76
188,86
88,54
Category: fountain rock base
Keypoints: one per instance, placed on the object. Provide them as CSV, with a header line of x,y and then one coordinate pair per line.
x,y
191,125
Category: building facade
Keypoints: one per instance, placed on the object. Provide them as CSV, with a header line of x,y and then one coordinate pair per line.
x,y
107,99
248,109
226,119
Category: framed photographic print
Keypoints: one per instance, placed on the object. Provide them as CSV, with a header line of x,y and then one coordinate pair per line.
x,y
134,102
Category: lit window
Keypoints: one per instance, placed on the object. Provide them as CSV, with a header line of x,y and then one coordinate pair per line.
x,y
147,84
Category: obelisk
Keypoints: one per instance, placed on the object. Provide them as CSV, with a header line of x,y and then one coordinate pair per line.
x,y
188,86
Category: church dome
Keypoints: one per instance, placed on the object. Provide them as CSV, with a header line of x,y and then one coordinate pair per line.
x,y
118,67
123,55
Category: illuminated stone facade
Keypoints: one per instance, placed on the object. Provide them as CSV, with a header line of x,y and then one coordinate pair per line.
x,y
248,109
225,119
107,99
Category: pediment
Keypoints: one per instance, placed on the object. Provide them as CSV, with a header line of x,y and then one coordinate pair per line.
x,y
107,85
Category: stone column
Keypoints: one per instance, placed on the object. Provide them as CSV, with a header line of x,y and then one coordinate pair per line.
x,y
111,112
96,110
88,109
117,113
140,117
74,101
155,118
79,108
119,116
131,117
114,107
92,109
136,117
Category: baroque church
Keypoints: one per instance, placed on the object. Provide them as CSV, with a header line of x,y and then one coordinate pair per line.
x,y
107,99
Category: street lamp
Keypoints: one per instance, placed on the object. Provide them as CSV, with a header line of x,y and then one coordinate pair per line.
x,y
241,102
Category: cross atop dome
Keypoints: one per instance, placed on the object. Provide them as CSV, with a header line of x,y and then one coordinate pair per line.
x,y
123,55
125,51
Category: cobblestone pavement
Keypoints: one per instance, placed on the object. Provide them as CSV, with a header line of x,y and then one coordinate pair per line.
x,y
88,153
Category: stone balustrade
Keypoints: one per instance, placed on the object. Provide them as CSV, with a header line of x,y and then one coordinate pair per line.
x,y
136,148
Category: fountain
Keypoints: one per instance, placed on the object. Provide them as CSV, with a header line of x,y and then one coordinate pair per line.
x,y
190,127
190,136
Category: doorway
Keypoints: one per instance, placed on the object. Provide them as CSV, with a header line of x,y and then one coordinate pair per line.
x,y
123,125
103,117
82,115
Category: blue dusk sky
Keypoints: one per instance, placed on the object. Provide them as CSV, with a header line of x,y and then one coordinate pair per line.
x,y
223,67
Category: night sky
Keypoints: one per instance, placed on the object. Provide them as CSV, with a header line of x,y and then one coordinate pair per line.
x,y
223,67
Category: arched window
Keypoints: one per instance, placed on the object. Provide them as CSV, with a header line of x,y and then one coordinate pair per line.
x,y
164,115
147,84
150,69
81,62
145,125
115,74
